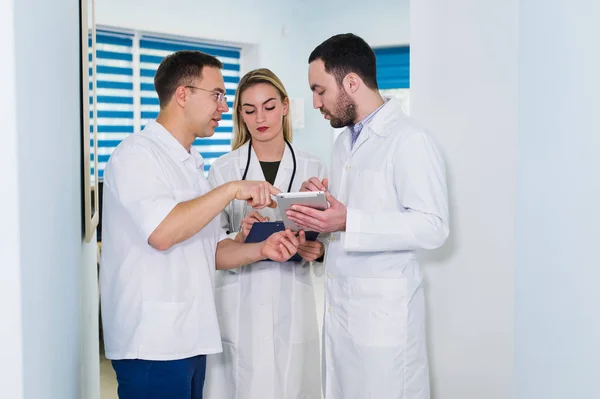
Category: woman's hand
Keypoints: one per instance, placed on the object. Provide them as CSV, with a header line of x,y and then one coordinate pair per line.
x,y
281,246
247,223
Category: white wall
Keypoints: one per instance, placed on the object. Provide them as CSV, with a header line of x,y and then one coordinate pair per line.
x,y
558,221
464,88
306,22
50,273
11,341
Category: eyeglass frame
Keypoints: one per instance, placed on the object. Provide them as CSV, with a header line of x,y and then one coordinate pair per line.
x,y
221,97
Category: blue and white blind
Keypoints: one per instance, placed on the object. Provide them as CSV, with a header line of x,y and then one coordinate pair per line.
x,y
152,51
126,65
114,93
393,67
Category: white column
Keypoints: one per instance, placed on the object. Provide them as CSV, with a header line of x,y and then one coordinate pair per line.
x,y
11,340
464,88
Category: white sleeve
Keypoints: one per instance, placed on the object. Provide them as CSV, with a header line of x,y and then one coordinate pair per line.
x,y
420,181
140,185
216,179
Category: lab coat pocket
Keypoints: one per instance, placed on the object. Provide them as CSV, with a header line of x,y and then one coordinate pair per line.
x,y
378,311
304,315
168,328
302,272
227,300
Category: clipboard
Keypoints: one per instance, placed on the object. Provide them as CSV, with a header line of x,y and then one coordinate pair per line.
x,y
260,231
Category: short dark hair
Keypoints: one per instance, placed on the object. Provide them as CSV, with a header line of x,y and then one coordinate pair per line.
x,y
346,53
180,68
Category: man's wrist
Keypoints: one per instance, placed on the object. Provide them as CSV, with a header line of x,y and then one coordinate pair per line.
x,y
261,251
343,226
231,188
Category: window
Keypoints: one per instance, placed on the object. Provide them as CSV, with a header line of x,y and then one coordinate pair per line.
x,y
114,93
393,73
126,65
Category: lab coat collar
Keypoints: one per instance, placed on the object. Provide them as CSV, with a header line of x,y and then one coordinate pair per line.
x,y
391,110
176,150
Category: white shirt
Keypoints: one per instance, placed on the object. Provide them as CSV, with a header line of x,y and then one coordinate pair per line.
x,y
155,305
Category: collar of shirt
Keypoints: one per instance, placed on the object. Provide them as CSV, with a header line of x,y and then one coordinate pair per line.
x,y
358,127
176,150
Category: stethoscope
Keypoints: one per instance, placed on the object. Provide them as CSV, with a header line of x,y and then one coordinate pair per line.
x,y
246,174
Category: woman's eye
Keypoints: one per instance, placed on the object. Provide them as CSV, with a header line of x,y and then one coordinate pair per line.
x,y
270,109
321,93
248,112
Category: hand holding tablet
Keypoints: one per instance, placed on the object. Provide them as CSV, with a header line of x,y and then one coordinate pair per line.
x,y
314,199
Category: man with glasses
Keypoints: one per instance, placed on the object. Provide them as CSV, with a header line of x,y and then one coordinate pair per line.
x,y
162,238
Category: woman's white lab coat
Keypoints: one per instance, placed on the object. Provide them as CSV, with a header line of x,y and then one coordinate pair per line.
x,y
394,186
266,310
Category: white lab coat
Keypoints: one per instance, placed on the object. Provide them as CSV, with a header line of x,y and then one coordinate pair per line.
x,y
266,310
393,184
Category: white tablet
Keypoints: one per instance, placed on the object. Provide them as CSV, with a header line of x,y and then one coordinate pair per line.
x,y
313,199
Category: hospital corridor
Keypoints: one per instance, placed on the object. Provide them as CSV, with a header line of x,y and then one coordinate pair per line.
x,y
299,199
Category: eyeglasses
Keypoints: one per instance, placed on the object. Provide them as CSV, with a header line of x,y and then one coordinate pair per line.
x,y
221,97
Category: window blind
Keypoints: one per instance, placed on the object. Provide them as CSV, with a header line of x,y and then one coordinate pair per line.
x,y
393,67
114,93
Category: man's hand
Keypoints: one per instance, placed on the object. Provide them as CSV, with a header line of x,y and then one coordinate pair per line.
x,y
256,193
247,223
327,221
311,250
314,184
282,246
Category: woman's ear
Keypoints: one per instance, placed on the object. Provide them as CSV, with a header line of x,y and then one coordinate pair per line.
x,y
286,106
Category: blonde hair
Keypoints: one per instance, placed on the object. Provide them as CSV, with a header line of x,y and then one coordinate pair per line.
x,y
263,75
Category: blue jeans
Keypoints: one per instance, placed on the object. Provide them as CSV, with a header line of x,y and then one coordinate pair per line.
x,y
151,379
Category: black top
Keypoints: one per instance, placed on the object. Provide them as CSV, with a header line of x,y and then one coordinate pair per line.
x,y
270,170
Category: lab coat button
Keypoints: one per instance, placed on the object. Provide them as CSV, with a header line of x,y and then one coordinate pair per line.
x,y
330,276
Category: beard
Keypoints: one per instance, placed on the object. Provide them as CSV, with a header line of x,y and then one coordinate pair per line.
x,y
345,111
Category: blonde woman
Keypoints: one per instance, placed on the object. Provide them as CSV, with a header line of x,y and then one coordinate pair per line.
x,y
266,310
